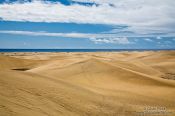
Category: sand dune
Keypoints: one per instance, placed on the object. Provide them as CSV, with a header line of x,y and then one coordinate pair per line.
x,y
87,84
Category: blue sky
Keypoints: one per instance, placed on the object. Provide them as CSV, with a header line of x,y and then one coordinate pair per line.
x,y
122,24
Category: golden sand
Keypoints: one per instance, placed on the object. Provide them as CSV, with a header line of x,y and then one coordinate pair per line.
x,y
87,84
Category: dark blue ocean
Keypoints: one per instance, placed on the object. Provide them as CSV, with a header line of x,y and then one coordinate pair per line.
x,y
77,50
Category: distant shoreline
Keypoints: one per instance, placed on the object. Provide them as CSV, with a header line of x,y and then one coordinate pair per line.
x,y
80,50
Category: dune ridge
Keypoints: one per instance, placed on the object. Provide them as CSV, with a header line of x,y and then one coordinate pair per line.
x,y
83,84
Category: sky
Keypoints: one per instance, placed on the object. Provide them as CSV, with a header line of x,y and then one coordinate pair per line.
x,y
87,24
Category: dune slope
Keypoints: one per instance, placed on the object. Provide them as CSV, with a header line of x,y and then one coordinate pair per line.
x,y
86,84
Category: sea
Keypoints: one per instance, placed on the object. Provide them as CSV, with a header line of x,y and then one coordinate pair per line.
x,y
79,50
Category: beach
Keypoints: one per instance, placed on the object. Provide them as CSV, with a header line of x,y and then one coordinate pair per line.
x,y
87,83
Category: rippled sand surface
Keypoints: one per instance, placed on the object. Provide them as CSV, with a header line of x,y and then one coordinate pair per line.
x,y
87,84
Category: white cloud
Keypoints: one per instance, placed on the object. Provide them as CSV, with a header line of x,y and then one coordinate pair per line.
x,y
158,37
97,38
121,40
148,39
72,35
142,16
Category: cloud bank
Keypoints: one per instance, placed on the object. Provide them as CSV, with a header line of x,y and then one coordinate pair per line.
x,y
141,16
96,38
99,38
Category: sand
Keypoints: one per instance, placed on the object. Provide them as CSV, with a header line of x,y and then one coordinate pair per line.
x,y
87,84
